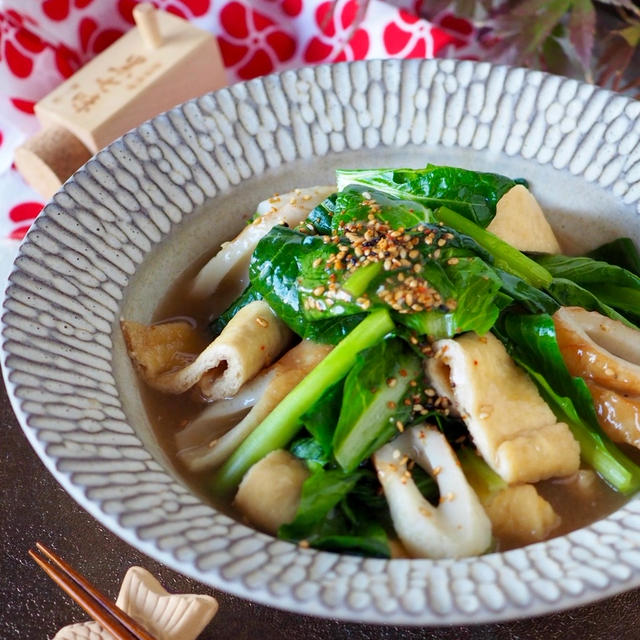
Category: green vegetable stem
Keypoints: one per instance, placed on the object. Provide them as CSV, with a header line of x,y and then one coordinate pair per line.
x,y
283,422
505,256
372,403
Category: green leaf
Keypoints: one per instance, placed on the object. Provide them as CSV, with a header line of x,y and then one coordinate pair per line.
x,y
321,215
321,419
473,194
335,514
611,285
621,252
532,299
570,294
372,401
353,203
582,27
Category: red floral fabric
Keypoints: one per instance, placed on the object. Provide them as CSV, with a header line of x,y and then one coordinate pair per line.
x,y
43,42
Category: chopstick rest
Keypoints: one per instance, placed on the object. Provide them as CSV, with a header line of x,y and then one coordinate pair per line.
x,y
166,616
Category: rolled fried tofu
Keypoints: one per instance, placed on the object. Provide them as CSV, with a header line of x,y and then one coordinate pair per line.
x,y
290,208
252,340
201,446
520,221
512,427
269,493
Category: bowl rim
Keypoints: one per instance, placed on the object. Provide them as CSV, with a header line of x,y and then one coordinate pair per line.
x,y
520,583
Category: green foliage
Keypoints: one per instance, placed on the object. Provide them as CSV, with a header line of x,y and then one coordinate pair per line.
x,y
473,194
593,41
371,405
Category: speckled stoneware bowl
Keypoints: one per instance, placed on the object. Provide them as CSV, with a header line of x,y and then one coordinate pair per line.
x,y
117,234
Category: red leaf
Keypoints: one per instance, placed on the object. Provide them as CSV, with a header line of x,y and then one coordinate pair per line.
x,y
105,38
197,7
359,44
86,30
582,27
395,38
292,7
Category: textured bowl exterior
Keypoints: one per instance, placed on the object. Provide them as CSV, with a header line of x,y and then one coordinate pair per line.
x,y
76,400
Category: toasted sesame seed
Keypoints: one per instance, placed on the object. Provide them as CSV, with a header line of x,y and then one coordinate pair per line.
x,y
262,322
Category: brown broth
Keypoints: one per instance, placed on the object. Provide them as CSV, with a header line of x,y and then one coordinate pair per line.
x,y
168,414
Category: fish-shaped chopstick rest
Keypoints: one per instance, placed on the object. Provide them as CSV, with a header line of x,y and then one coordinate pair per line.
x,y
166,616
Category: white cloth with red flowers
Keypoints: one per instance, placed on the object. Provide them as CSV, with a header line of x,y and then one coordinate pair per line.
x,y
43,42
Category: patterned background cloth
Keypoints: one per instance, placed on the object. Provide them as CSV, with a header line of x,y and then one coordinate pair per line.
x,y
43,42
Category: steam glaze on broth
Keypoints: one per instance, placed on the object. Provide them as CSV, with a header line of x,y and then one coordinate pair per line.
x,y
521,469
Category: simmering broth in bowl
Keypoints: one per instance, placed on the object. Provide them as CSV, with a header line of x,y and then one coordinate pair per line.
x,y
562,504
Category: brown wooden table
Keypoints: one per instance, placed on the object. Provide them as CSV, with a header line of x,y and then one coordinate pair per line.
x,y
34,507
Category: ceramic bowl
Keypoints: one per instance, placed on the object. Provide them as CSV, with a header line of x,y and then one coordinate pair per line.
x,y
119,232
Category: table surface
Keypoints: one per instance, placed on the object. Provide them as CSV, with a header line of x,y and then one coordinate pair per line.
x,y
34,507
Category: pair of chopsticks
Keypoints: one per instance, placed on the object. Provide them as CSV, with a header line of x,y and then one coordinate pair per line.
x,y
95,603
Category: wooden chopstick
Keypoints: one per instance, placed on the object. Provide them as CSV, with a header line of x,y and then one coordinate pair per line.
x,y
95,603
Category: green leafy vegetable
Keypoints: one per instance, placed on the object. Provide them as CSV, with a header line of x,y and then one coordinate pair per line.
x,y
570,294
612,285
332,516
372,401
531,341
354,203
532,299
621,252
472,286
322,418
321,216
282,424
473,194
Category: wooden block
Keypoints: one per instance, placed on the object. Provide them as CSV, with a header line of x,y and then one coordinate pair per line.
x,y
160,63
130,82
48,158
